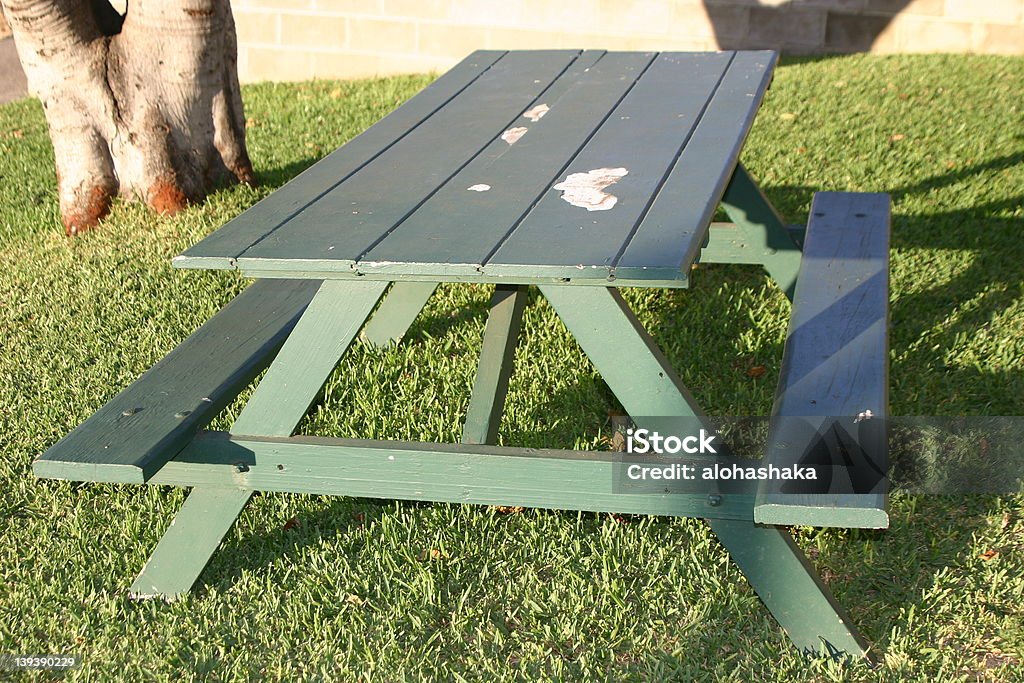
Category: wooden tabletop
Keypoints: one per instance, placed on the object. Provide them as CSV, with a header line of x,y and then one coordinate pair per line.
x,y
589,167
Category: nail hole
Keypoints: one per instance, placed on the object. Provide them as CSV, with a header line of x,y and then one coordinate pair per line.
x,y
859,215
280,467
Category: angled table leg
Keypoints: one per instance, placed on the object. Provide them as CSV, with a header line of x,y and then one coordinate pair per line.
x,y
762,228
396,313
791,589
609,333
642,379
500,336
281,400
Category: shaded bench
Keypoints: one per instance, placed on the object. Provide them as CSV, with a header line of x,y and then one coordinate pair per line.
x,y
833,396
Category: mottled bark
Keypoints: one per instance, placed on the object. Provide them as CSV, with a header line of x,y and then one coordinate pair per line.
x,y
149,109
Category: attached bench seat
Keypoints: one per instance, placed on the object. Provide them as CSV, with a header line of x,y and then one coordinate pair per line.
x,y
833,387
148,423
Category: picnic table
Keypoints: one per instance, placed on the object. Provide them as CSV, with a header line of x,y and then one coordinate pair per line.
x,y
578,172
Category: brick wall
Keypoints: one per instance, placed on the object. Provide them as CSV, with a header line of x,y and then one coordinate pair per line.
x,y
299,39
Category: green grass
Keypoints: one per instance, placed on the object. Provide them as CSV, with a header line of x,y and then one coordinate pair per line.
x,y
371,590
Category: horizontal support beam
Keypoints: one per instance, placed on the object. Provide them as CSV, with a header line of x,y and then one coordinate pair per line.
x,y
455,473
727,244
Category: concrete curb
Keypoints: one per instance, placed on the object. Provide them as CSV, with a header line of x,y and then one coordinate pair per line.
x,y
12,79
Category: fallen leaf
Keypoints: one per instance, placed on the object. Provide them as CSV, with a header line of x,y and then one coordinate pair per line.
x,y
291,523
336,93
509,509
756,371
787,116
989,554
354,599
897,137
1006,521
840,84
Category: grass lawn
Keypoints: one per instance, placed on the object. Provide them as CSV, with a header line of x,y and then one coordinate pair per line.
x,y
372,590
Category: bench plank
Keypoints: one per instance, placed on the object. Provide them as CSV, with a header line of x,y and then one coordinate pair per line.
x,y
836,358
150,421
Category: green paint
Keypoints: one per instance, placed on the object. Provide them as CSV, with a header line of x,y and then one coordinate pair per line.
x,y
141,428
622,351
762,228
397,312
500,336
188,544
322,335
780,573
459,473
282,398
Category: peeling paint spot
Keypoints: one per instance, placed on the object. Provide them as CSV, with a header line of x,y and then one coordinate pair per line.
x,y
863,415
513,134
479,187
537,113
586,190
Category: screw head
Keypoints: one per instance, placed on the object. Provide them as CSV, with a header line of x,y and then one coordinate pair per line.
x,y
714,500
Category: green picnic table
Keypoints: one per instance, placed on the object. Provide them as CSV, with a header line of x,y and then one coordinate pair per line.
x,y
580,173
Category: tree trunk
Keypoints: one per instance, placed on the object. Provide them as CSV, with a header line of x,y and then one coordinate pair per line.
x,y
149,110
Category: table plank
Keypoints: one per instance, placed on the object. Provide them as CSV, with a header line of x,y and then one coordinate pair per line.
x,y
670,235
643,135
219,249
456,229
347,221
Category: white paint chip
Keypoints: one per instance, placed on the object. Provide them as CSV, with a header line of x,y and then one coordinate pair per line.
x,y
863,415
586,190
512,135
479,187
537,113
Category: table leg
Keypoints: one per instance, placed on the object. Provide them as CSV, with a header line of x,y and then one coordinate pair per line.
x,y
642,379
500,336
762,228
396,313
281,400
603,324
791,588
